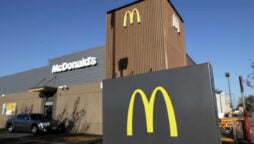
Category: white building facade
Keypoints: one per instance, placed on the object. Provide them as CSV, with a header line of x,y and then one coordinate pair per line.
x,y
223,103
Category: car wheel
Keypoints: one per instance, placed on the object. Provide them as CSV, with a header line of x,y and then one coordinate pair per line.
x,y
10,128
35,129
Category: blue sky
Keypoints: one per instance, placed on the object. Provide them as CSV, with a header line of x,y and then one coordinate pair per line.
x,y
32,31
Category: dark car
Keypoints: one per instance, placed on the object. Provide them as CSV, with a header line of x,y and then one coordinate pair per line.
x,y
34,123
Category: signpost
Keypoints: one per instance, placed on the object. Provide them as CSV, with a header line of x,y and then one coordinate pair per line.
x,y
175,106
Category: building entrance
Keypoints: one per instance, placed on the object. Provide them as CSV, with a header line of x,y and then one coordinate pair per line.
x,y
48,107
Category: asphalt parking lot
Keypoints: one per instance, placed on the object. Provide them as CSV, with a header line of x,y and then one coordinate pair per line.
x,y
50,138
65,138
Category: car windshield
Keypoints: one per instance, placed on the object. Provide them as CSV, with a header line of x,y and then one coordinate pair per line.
x,y
38,117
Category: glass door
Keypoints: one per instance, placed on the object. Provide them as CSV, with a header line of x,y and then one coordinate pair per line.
x,y
48,107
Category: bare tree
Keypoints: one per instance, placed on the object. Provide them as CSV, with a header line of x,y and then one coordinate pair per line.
x,y
250,77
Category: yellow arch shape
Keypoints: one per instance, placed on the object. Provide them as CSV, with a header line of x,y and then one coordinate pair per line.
x,y
149,107
131,14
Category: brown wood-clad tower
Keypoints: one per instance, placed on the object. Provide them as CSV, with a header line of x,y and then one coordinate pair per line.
x,y
142,37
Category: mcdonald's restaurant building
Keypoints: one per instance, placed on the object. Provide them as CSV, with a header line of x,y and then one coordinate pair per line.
x,y
141,37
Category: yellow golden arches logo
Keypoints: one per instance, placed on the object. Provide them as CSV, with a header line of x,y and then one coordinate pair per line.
x,y
131,17
149,107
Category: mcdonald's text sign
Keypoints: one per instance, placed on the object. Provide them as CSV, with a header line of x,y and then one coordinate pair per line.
x,y
165,107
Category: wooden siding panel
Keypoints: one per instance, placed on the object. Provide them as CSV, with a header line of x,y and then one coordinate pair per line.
x,y
174,41
151,45
141,43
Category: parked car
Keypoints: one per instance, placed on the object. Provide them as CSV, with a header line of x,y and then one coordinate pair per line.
x,y
34,123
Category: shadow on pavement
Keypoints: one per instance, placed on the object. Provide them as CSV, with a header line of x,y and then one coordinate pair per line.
x,y
49,138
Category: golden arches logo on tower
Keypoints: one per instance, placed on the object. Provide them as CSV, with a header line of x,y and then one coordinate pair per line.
x,y
149,108
130,15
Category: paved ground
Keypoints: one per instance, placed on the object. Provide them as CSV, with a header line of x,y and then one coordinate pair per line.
x,y
63,138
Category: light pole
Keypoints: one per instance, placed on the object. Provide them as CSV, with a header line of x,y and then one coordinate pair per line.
x,y
242,91
227,74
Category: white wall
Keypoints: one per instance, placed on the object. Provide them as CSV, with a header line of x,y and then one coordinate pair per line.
x,y
223,102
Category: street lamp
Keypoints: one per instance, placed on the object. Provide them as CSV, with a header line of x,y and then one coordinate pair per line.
x,y
227,74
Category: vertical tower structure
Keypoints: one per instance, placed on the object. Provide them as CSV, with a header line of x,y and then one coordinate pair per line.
x,y
144,36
